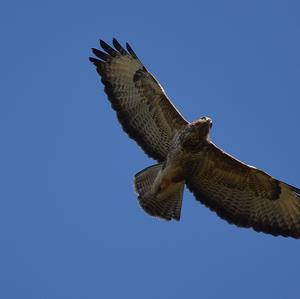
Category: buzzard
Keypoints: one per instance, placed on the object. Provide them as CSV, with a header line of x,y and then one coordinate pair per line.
x,y
239,193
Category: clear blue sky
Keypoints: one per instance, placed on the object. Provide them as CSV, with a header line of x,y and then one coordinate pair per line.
x,y
70,225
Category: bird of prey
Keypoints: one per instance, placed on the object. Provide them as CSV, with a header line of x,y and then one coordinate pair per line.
x,y
239,193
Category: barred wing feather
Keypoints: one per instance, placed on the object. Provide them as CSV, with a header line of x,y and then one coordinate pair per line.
x,y
143,109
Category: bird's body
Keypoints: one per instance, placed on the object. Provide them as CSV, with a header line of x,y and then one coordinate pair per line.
x,y
239,193
178,165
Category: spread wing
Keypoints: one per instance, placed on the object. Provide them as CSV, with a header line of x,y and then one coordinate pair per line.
x,y
246,196
143,109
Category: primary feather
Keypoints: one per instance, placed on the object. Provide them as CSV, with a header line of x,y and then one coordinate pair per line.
x,y
143,109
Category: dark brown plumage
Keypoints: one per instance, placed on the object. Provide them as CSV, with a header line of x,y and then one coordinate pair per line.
x,y
241,194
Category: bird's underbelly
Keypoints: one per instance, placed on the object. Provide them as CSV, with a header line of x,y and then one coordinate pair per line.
x,y
172,174
167,176
178,166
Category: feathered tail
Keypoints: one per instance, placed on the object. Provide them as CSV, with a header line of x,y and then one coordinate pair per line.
x,y
166,203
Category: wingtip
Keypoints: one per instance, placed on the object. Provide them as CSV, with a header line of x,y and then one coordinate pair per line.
x,y
107,48
119,47
131,52
94,61
94,50
128,46
100,54
102,42
115,42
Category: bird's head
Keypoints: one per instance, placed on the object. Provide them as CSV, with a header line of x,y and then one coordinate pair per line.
x,y
196,133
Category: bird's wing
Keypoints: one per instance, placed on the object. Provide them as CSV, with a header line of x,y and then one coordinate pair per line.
x,y
244,195
143,109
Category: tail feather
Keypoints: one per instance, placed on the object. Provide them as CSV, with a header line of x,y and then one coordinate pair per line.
x,y
144,179
165,204
166,208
